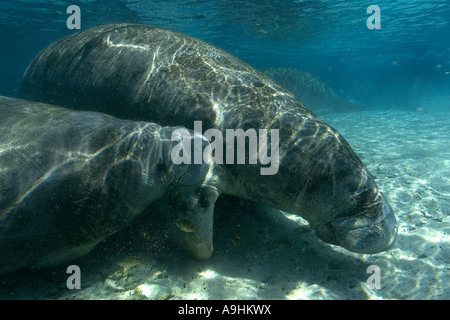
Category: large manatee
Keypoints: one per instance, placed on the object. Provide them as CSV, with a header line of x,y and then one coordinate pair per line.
x,y
69,179
147,73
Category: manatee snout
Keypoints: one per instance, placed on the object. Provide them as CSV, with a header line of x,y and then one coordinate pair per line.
x,y
373,230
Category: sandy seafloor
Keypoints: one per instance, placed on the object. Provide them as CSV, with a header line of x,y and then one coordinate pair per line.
x,y
266,254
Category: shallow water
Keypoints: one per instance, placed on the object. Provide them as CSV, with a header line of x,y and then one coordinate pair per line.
x,y
268,254
386,91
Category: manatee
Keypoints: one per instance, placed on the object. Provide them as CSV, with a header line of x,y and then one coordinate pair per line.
x,y
69,179
147,73
310,89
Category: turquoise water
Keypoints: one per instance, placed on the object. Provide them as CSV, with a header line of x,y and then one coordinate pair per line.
x,y
386,90
404,64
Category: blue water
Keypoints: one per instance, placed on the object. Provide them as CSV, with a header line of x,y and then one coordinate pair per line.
x,y
403,65
397,76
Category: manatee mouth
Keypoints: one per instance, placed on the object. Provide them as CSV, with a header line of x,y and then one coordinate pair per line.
x,y
371,232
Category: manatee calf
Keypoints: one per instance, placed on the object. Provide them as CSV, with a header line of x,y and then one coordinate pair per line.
x,y
69,179
147,73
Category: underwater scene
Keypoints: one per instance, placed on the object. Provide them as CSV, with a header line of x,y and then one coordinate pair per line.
x,y
224,150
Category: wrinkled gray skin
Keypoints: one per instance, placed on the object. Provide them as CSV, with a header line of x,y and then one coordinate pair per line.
x,y
69,179
147,73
